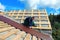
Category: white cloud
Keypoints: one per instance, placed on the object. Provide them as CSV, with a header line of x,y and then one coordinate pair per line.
x,y
51,3
55,13
33,3
48,2
2,7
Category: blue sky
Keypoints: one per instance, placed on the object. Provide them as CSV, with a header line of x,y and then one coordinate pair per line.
x,y
52,6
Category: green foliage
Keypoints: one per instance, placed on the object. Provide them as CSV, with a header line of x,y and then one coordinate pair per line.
x,y
55,23
58,18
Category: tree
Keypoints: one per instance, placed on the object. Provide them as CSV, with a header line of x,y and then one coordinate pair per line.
x,y
55,22
58,18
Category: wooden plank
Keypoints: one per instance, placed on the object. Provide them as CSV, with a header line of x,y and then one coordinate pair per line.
x,y
4,26
14,31
34,38
6,29
1,26
39,39
28,37
19,36
1,22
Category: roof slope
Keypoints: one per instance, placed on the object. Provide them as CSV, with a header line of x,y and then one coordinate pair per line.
x,y
7,32
21,27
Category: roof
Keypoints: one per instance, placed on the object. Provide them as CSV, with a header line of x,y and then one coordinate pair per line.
x,y
19,32
8,32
